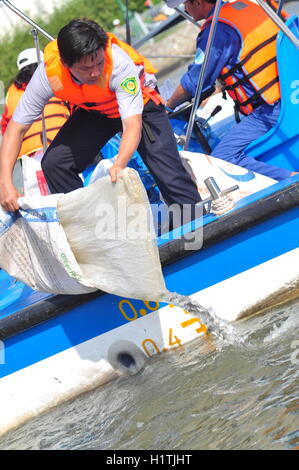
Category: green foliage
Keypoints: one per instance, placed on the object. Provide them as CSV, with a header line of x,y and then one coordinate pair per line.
x,y
102,11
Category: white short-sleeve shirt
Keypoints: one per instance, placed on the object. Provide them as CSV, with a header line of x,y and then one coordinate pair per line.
x,y
39,91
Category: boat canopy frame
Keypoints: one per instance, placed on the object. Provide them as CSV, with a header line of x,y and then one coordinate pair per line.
x,y
274,15
36,29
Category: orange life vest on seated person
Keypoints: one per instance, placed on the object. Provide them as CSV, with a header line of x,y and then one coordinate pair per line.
x,y
94,97
257,58
55,113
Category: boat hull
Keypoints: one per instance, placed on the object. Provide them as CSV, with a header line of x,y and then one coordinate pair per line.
x,y
61,346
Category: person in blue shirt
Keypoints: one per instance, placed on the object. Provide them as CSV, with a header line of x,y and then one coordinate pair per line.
x,y
225,52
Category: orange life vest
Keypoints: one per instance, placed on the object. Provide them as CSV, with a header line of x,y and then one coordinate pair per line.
x,y
55,113
94,97
257,58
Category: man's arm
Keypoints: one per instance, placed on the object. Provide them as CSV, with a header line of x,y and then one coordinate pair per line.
x,y
9,152
29,108
179,96
225,49
131,136
130,104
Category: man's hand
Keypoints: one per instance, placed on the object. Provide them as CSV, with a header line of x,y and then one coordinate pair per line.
x,y
115,170
8,197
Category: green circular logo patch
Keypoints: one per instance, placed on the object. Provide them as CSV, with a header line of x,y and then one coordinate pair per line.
x,y
130,85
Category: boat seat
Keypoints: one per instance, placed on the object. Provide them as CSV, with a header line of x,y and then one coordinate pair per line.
x,y
280,145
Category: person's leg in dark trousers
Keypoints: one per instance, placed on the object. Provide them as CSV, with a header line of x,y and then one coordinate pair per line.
x,y
158,150
75,147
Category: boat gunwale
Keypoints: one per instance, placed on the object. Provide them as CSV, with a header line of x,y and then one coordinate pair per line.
x,y
217,230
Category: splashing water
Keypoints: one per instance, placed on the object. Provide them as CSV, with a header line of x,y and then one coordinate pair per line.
x,y
221,328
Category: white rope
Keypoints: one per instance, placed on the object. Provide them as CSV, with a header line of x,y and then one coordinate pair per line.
x,y
222,205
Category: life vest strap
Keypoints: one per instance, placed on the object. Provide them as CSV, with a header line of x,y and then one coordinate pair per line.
x,y
245,79
240,64
62,115
40,133
258,93
57,102
153,95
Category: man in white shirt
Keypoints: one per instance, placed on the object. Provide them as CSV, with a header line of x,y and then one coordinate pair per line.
x,y
114,89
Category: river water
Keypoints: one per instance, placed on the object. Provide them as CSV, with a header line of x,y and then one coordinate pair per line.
x,y
210,394
207,395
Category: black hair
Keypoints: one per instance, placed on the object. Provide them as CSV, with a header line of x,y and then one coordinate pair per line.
x,y
79,38
24,76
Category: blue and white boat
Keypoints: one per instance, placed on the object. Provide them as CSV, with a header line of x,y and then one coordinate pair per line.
x,y
54,347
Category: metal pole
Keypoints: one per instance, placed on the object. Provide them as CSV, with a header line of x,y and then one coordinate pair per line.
x,y
44,130
280,7
202,73
163,26
27,19
278,21
128,29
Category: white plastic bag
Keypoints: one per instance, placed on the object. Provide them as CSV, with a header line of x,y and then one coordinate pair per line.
x,y
34,248
97,237
109,228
